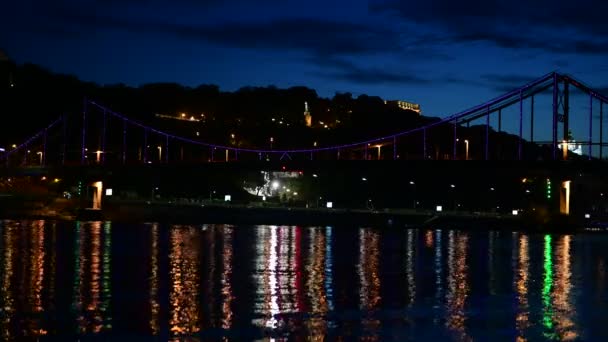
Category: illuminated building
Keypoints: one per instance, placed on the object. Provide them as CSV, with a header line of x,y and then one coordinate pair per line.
x,y
181,117
405,105
307,116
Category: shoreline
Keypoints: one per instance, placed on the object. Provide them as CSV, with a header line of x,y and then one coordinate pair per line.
x,y
216,213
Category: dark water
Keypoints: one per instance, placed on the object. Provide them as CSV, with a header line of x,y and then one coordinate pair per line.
x,y
100,280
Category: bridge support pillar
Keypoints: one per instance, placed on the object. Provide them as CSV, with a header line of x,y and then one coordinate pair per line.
x,y
564,197
97,193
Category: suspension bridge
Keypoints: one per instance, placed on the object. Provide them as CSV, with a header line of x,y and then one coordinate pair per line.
x,y
101,136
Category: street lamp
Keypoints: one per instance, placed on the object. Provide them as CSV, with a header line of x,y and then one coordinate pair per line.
x,y
452,187
271,141
466,148
160,152
98,153
413,184
40,154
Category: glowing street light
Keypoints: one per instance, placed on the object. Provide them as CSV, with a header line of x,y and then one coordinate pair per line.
x,y
379,147
98,153
160,152
275,185
466,148
40,154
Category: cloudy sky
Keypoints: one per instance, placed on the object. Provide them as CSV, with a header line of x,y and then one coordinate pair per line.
x,y
446,55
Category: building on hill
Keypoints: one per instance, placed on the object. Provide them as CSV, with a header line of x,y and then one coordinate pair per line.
x,y
307,116
405,105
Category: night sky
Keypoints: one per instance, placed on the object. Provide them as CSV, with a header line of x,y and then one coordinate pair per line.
x,y
446,55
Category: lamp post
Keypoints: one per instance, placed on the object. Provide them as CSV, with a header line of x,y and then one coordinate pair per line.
x,y
452,187
40,154
466,148
160,152
413,184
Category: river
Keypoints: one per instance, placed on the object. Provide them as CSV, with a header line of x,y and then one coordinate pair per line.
x,y
80,280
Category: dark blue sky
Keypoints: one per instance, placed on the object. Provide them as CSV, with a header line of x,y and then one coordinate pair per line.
x,y
446,55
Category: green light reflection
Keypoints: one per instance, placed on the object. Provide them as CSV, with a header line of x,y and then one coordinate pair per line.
x,y
547,286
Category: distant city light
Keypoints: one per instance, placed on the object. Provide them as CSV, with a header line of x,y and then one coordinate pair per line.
x,y
108,192
315,175
587,216
275,185
2,149
514,212
227,198
364,179
330,205
439,208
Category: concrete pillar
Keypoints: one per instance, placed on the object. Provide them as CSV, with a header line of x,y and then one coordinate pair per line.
x,y
97,193
564,198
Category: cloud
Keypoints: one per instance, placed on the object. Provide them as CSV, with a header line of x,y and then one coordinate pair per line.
x,y
341,69
313,35
539,24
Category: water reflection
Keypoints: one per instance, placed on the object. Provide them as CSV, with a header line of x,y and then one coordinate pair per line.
x,y
227,294
457,284
154,305
409,267
184,262
275,276
521,286
369,277
438,272
214,282
562,300
9,239
91,285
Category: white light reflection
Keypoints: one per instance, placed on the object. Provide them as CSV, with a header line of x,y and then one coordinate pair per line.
x,y
409,268
369,277
226,278
438,273
329,272
154,302
272,279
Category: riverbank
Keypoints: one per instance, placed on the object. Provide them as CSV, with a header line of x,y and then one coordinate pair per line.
x,y
266,214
